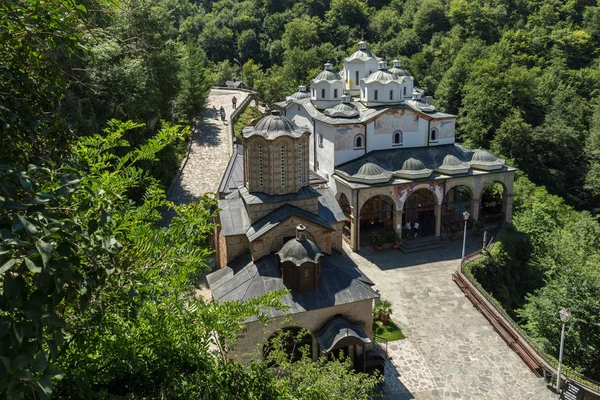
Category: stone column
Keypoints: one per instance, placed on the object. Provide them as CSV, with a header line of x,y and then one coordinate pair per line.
x,y
507,206
437,209
354,229
398,223
474,211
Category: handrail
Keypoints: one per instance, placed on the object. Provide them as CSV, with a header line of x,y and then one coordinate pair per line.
x,y
375,337
546,361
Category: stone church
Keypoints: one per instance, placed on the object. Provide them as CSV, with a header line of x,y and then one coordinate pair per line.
x,y
389,156
280,229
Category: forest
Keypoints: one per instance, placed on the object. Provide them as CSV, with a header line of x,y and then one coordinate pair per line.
x,y
94,96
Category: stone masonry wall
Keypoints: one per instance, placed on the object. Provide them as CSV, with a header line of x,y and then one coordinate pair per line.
x,y
254,336
231,247
273,240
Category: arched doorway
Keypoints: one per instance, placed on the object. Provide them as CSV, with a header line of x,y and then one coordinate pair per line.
x,y
491,207
456,201
377,221
420,207
293,341
345,206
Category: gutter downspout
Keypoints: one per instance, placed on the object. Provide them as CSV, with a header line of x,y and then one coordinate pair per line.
x,y
314,145
428,129
357,222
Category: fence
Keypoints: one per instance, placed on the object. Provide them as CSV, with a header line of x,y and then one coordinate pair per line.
x,y
533,356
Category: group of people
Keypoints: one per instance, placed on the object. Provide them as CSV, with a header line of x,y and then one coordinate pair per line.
x,y
414,227
220,112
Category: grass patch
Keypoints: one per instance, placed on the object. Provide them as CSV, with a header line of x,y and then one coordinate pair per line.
x,y
389,331
244,119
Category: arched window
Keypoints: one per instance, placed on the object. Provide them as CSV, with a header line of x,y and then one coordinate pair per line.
x,y
375,94
358,141
433,136
260,166
282,166
397,138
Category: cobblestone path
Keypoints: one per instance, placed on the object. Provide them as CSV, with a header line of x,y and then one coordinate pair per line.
x,y
451,351
209,152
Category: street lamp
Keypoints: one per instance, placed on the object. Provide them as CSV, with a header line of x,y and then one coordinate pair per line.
x,y
564,317
241,70
466,216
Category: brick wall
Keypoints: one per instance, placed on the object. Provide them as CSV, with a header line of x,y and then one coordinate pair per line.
x,y
257,211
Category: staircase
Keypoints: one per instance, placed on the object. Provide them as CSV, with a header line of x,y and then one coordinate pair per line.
x,y
421,244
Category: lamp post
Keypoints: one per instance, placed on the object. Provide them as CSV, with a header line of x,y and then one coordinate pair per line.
x,y
466,216
241,70
564,317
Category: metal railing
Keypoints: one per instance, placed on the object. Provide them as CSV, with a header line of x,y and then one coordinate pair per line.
x,y
547,362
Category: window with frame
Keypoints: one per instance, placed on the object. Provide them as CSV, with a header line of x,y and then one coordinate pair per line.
x,y
433,136
397,138
356,81
282,156
365,93
391,94
322,93
358,141
260,166
320,140
335,93
300,162
314,92
375,94
404,91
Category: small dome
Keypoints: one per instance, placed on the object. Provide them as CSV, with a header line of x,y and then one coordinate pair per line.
x,y
481,155
300,249
381,75
362,54
398,70
343,110
370,169
328,74
273,126
302,93
412,164
451,161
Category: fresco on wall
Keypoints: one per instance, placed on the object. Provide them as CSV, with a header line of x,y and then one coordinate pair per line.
x,y
405,190
445,128
396,120
344,136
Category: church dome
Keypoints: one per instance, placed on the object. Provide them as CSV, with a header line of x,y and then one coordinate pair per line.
x,y
300,249
342,110
328,74
370,169
413,169
381,75
397,69
453,166
273,126
481,155
412,164
484,160
362,54
302,93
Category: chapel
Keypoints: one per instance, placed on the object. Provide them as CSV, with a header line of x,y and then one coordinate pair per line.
x,y
280,229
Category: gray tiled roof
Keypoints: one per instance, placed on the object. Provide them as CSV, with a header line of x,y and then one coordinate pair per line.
x,y
234,173
341,283
305,192
278,216
233,217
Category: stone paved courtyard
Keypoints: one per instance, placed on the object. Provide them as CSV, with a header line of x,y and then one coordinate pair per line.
x,y
451,351
209,152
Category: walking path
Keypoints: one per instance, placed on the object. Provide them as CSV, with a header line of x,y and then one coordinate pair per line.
x,y
209,151
451,351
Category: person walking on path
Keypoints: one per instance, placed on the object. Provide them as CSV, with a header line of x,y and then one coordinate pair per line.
x,y
407,226
416,228
234,102
222,112
214,112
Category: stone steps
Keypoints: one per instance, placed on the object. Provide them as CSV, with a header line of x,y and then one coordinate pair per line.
x,y
421,244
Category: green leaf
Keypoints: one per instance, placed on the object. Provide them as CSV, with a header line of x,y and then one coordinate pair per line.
x,y
15,391
32,267
29,227
46,250
45,385
7,265
24,375
41,362
82,8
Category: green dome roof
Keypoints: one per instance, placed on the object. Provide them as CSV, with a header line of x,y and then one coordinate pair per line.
x,y
451,160
397,69
412,164
328,74
481,155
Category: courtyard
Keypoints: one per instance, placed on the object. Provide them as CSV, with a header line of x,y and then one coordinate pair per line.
x,y
450,350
